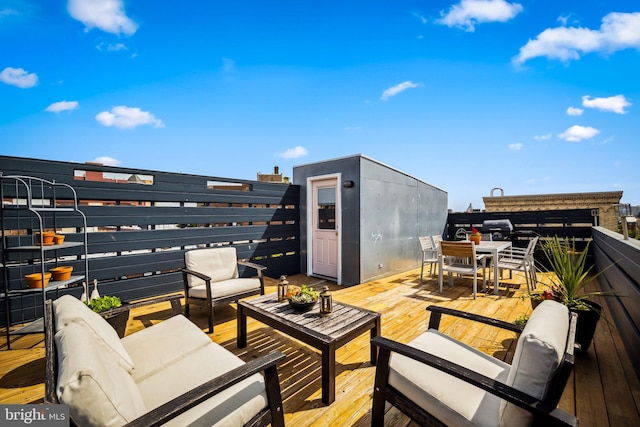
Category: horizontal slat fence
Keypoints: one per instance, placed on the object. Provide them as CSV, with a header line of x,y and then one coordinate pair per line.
x,y
568,223
618,260
137,233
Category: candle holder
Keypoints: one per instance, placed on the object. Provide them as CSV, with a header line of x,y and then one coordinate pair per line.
x,y
283,287
326,302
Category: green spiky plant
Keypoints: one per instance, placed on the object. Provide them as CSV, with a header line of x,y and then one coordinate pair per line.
x,y
571,273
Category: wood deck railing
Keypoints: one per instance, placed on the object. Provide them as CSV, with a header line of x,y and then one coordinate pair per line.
x,y
604,390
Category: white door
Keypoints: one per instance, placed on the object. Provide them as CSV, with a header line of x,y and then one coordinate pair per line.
x,y
325,228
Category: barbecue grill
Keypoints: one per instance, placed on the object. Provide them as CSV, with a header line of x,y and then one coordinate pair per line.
x,y
499,229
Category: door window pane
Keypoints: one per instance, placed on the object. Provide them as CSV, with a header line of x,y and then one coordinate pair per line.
x,y
327,208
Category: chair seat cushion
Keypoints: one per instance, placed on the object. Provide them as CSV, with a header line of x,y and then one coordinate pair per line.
x,y
98,390
154,348
226,288
451,400
174,356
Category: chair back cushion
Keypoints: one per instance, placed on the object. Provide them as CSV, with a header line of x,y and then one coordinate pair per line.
x,y
217,263
68,310
98,390
538,355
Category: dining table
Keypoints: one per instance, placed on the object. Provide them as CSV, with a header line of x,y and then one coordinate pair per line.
x,y
493,248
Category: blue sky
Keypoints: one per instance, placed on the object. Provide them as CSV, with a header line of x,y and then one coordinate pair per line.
x,y
533,97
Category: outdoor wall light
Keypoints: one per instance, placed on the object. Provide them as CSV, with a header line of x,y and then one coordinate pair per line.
x,y
347,184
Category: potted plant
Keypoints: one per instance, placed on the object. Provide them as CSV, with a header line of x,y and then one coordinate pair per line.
x,y
476,236
107,306
567,285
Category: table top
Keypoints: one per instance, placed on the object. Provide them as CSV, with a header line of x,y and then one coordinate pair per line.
x,y
487,245
342,321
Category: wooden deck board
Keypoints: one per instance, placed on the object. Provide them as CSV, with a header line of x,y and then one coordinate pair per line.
x,y
604,370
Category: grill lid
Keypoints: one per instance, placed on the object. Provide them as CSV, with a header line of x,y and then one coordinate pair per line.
x,y
500,229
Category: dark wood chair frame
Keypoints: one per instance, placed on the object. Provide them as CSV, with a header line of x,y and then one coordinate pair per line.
x,y
545,411
273,414
210,302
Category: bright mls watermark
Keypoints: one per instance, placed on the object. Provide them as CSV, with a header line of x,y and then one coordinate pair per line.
x,y
34,415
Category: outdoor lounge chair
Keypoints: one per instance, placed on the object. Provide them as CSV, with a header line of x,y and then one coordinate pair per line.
x,y
211,279
439,381
170,373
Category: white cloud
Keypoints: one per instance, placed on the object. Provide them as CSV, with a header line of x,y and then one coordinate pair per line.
x,y
18,77
294,153
124,117
618,31
515,147
420,17
614,104
394,90
111,47
107,15
545,137
57,107
577,133
468,13
107,161
573,111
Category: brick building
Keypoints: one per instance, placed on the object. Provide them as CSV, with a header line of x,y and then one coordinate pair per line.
x,y
605,202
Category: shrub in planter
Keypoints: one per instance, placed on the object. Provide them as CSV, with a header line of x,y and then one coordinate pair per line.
x,y
105,306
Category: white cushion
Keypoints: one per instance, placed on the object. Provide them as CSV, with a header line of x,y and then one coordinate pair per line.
x,y
217,263
68,309
225,288
538,354
198,364
98,390
153,349
451,400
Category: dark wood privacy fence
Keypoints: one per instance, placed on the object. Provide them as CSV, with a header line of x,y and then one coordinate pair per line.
x,y
140,223
569,223
619,262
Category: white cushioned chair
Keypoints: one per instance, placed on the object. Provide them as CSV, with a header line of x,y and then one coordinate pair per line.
x,y
211,279
170,373
437,380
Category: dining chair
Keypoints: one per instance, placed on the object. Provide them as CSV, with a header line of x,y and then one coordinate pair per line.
x,y
429,255
522,260
461,258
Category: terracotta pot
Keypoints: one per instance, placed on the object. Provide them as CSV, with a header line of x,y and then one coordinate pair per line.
x,y
61,273
47,238
58,239
476,238
35,280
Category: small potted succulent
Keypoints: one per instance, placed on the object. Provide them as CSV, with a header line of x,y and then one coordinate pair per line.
x,y
105,306
302,298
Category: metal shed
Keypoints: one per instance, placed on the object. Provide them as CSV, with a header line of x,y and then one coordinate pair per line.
x,y
360,219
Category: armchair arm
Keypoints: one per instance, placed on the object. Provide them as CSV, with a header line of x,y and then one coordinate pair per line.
x,y
193,397
258,267
544,415
437,312
207,280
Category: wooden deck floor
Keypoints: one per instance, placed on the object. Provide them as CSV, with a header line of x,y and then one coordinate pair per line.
x,y
604,390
